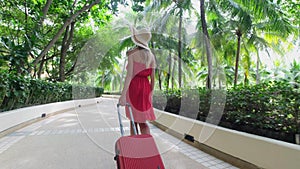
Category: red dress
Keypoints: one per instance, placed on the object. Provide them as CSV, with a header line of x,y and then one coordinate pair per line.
x,y
139,94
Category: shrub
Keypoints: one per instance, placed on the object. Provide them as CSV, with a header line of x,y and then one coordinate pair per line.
x,y
17,91
271,106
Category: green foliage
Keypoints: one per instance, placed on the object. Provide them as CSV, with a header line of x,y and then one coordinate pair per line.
x,y
14,55
268,105
17,91
137,5
271,106
173,93
27,28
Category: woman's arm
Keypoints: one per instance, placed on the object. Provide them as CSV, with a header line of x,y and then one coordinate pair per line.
x,y
128,78
152,78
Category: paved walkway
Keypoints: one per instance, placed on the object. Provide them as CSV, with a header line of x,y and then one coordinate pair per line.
x,y
84,139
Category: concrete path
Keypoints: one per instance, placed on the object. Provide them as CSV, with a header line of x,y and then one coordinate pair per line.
x,y
84,138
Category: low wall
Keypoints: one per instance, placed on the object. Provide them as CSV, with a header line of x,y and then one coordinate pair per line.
x,y
14,118
258,151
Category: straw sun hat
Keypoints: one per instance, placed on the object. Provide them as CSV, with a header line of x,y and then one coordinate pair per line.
x,y
140,37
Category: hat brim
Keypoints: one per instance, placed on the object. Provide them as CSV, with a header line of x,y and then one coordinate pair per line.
x,y
135,41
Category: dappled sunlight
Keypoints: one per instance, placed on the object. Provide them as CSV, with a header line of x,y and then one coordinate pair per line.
x,y
67,124
226,76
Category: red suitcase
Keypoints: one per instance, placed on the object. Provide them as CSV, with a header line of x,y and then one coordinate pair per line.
x,y
138,151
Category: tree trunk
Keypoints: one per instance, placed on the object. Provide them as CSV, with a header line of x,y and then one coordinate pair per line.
x,y
180,49
62,60
103,79
207,44
41,67
69,72
246,79
61,30
159,72
173,72
45,11
169,71
65,46
26,18
257,69
38,26
239,35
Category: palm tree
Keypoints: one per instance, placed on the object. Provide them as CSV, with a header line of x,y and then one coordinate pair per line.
x,y
207,44
173,7
251,20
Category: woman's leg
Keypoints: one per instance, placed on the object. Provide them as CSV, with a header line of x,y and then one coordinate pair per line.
x,y
131,129
144,128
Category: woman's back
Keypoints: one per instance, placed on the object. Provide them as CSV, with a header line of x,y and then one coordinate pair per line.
x,y
140,70
142,56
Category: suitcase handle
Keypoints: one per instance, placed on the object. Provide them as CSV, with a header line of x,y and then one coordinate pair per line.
x,y
131,117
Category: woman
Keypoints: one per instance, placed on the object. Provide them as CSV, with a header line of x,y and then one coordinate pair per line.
x,y
138,86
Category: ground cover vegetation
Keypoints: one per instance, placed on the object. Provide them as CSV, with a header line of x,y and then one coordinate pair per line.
x,y
202,46
18,91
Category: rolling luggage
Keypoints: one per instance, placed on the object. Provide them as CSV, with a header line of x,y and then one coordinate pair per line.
x,y
137,151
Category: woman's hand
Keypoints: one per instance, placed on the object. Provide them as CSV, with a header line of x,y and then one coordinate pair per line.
x,y
122,100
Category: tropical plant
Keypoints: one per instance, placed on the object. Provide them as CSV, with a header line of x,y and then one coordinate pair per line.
x,y
44,32
208,48
250,22
173,8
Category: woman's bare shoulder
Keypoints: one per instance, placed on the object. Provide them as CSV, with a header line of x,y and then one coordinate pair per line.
x,y
131,51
